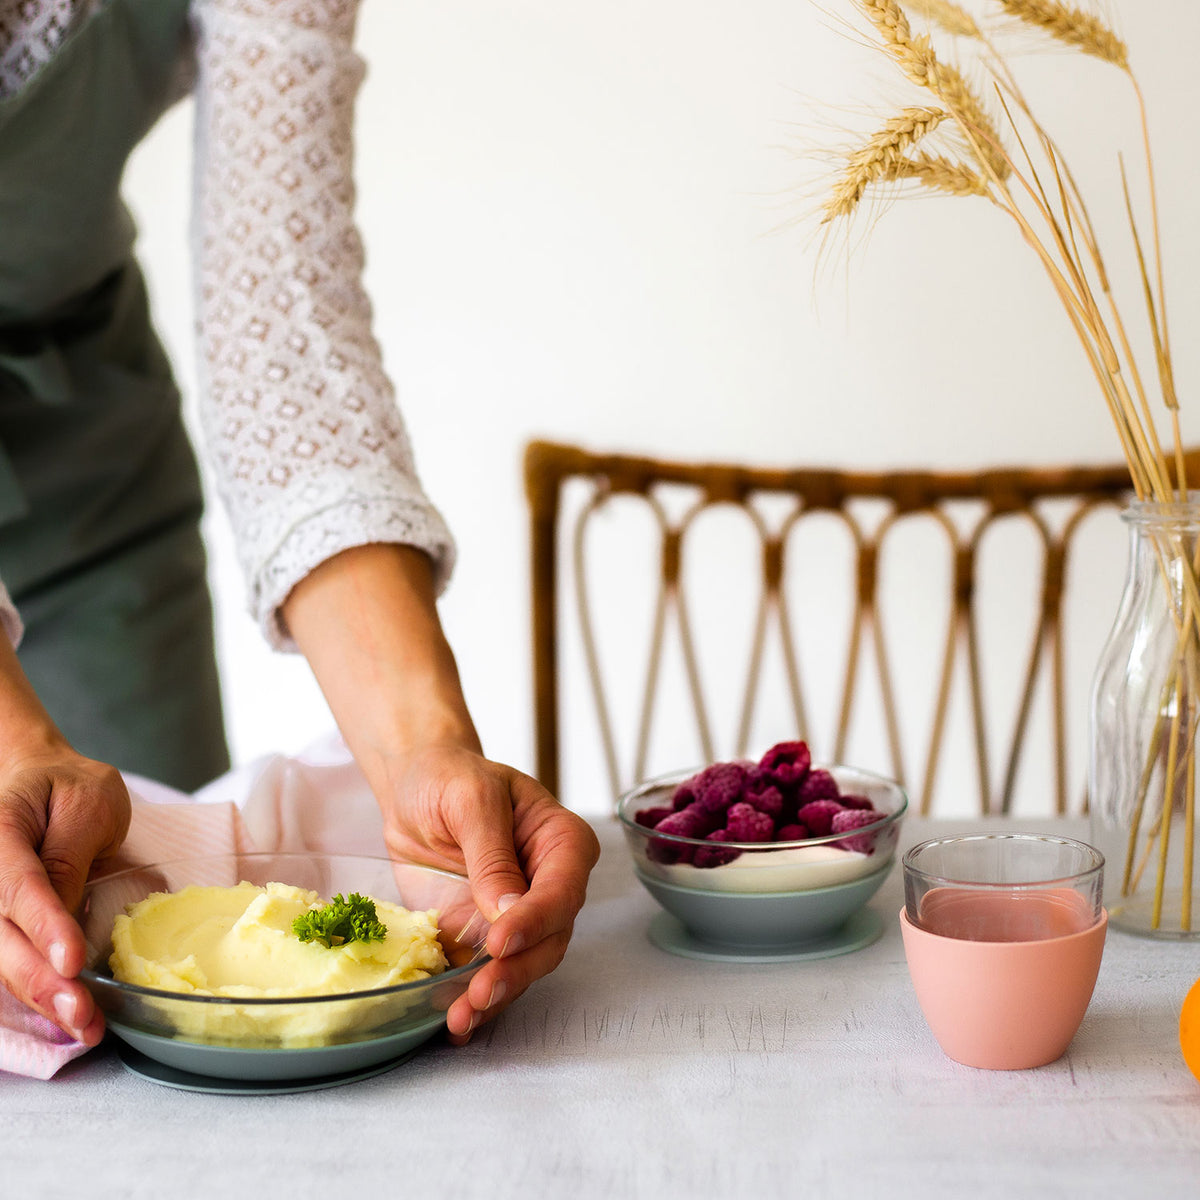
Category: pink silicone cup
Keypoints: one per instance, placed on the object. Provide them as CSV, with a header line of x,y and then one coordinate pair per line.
x,y
1003,1006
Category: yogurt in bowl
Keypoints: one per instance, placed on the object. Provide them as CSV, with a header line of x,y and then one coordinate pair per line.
x,y
790,869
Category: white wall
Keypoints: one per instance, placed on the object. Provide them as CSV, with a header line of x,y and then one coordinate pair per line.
x,y
579,223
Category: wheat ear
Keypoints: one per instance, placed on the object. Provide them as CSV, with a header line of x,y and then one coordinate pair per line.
x,y
950,17
877,157
941,175
1082,30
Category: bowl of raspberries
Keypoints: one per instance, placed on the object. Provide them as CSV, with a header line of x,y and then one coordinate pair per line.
x,y
777,854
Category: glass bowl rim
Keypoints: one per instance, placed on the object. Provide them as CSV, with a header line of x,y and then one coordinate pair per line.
x,y
1095,857
93,978
677,777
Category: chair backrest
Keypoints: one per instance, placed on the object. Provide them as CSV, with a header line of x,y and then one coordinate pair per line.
x,y
861,620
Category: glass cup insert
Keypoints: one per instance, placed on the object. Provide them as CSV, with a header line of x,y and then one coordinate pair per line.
x,y
1003,887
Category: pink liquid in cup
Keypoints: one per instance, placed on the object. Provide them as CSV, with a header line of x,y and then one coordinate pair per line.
x,y
1004,916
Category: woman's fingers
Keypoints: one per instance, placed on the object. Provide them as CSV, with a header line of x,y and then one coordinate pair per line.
x,y
499,983
483,817
559,850
30,978
29,900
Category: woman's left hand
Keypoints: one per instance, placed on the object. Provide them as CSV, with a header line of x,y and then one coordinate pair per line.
x,y
526,856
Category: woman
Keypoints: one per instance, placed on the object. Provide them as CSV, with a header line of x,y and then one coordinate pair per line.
x,y
100,499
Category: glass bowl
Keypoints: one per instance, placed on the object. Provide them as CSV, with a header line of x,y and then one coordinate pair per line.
x,y
300,1037
769,896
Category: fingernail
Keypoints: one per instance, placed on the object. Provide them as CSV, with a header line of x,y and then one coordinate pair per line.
x,y
499,990
507,901
66,1008
58,957
475,1019
514,945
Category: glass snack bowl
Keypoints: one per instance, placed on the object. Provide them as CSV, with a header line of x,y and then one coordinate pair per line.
x,y
764,899
288,1038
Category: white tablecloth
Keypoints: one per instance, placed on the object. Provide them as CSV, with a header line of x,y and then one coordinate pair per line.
x,y
630,1072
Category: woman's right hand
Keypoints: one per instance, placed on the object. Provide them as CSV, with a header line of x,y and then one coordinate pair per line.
x,y
59,812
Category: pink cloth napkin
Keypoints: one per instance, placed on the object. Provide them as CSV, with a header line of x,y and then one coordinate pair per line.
x,y
316,801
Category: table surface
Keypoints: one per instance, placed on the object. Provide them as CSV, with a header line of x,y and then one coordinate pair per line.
x,y
631,1072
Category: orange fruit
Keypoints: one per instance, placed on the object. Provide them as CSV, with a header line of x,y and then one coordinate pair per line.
x,y
1189,1029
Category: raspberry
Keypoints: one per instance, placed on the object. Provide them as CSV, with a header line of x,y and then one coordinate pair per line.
x,y
792,833
746,824
769,800
649,817
787,763
818,816
856,818
712,856
689,824
853,801
683,795
719,786
817,785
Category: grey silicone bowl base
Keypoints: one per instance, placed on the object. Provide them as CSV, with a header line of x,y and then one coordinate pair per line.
x,y
148,1068
764,922
278,1064
864,927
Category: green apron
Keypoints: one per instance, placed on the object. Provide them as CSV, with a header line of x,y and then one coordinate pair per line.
x,y
100,498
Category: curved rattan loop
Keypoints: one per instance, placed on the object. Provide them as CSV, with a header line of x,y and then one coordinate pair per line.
x,y
588,637
941,705
1036,650
687,645
854,639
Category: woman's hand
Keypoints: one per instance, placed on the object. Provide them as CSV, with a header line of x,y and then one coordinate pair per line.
x,y
59,812
367,622
527,857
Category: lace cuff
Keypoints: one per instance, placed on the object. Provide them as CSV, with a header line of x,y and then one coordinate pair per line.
x,y
352,518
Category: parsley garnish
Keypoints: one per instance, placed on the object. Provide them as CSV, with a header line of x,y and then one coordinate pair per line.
x,y
341,921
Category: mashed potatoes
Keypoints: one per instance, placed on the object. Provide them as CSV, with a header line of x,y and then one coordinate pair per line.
x,y
237,942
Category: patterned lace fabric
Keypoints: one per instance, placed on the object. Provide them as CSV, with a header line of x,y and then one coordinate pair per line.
x,y
30,32
308,447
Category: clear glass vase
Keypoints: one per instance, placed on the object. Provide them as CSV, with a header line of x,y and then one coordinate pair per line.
x,y
1145,715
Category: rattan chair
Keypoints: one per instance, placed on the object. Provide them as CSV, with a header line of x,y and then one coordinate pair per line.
x,y
569,489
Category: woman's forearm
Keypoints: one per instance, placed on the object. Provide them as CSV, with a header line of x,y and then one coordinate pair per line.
x,y
367,622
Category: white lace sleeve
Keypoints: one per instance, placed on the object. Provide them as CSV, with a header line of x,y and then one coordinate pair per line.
x,y
310,452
